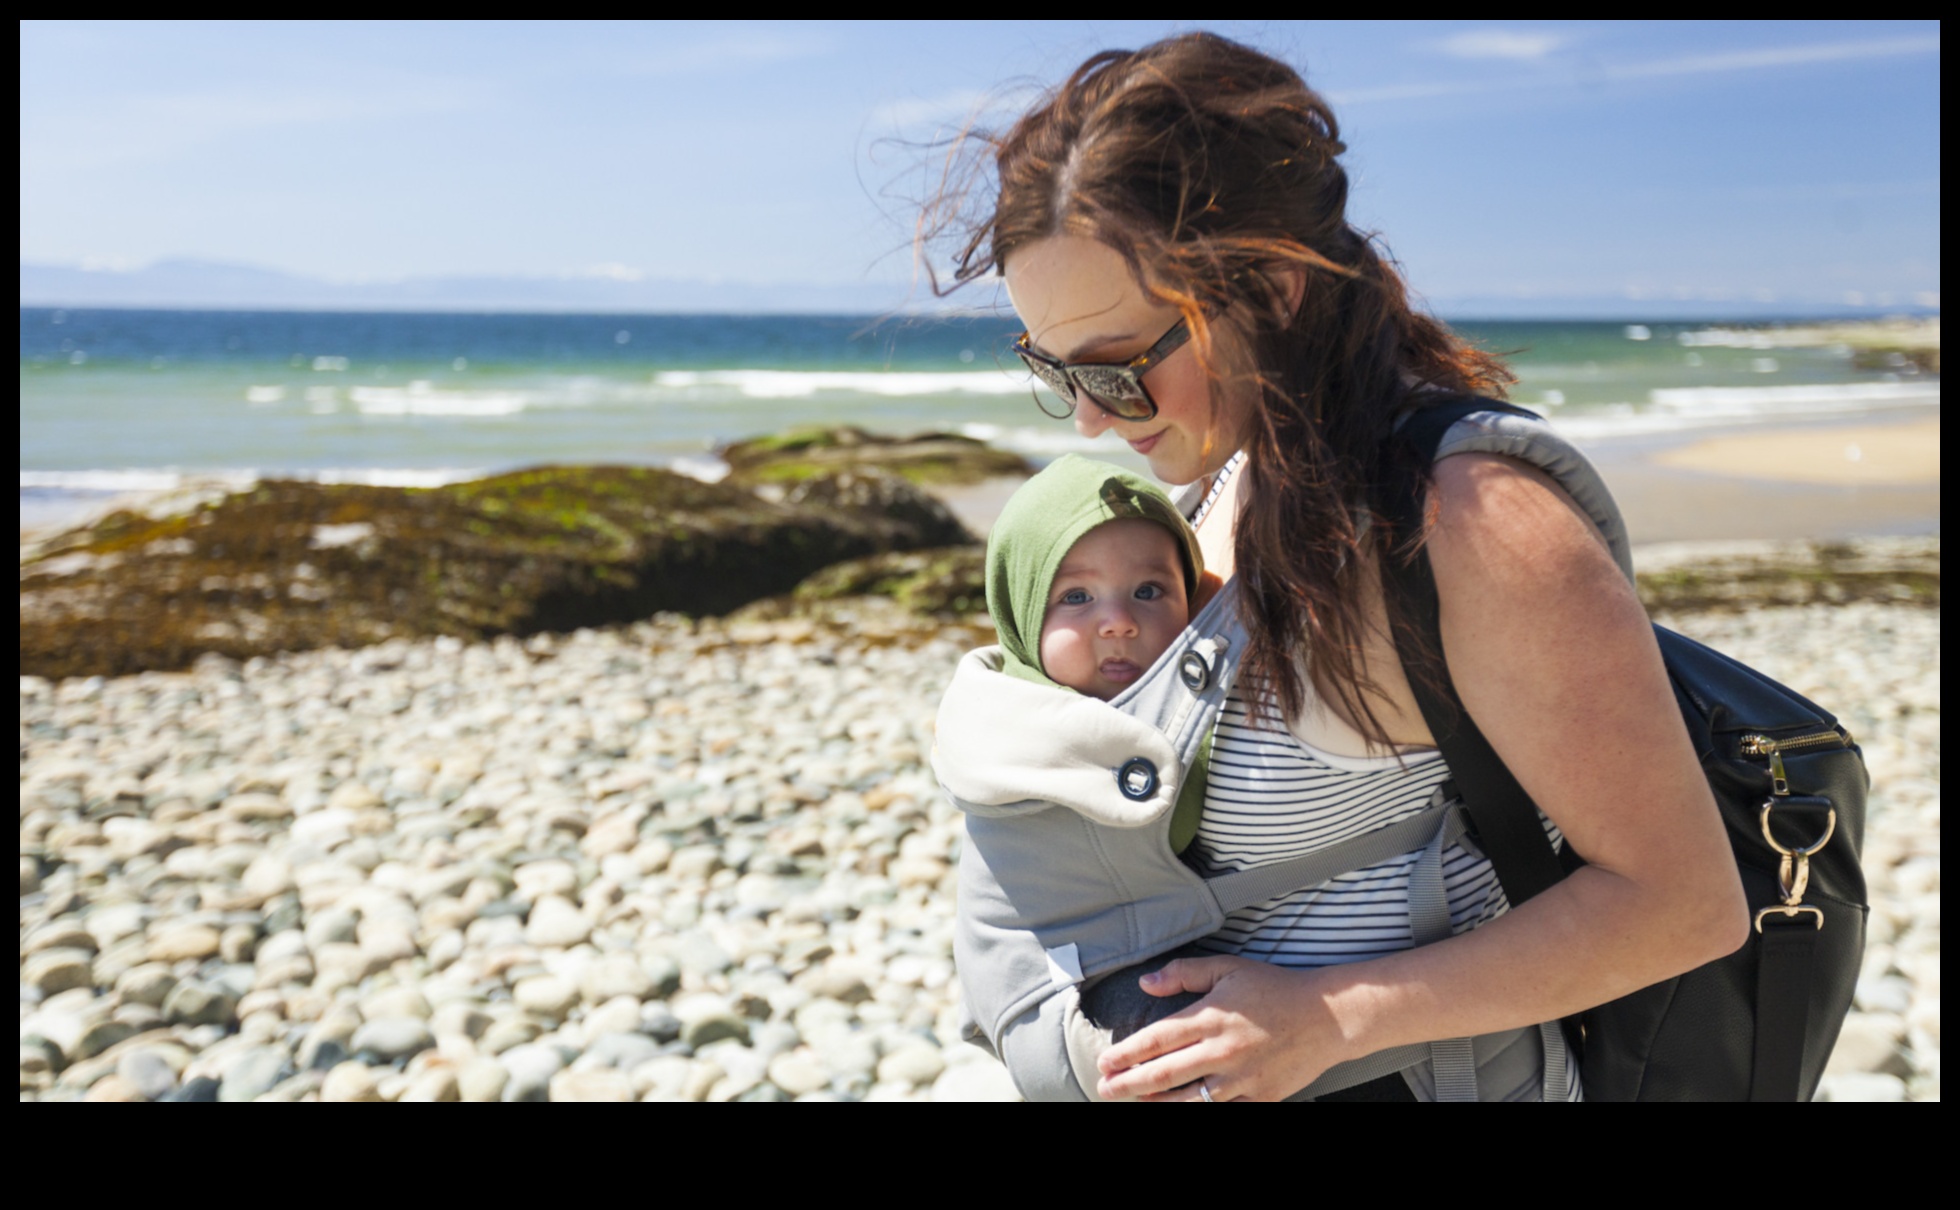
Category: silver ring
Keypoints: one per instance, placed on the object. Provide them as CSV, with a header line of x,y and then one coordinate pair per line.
x,y
1204,1090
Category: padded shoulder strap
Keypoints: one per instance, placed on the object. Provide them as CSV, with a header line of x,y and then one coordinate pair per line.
x,y
1502,814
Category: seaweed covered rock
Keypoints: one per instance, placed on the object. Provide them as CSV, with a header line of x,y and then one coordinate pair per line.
x,y
799,453
295,565
1696,577
882,501
947,581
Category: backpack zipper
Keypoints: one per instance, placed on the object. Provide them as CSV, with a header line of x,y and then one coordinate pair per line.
x,y
1764,745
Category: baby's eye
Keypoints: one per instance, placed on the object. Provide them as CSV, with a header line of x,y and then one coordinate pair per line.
x,y
1075,596
1149,592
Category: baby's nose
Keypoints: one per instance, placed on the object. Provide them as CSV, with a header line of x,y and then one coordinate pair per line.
x,y
1118,621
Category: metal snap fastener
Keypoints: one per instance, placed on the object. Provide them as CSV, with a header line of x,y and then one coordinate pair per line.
x,y
1137,779
1194,672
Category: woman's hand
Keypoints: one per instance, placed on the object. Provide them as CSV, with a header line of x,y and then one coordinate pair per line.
x,y
1260,1034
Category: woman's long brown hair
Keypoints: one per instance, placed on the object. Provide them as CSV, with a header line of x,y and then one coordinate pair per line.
x,y
1210,166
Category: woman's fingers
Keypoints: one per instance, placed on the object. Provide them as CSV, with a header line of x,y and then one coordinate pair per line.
x,y
1186,975
1259,1034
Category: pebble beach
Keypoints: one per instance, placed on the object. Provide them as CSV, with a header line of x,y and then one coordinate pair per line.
x,y
676,860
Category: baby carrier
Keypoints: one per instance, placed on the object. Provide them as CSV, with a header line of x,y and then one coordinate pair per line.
x,y
1076,810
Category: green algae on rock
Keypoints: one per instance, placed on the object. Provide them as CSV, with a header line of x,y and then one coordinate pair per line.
x,y
799,453
290,565
948,581
1697,577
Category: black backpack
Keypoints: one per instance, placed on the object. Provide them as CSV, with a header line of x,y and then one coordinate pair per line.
x,y
1759,1024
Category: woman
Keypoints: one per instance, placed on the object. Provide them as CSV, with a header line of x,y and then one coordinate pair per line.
x,y
1179,211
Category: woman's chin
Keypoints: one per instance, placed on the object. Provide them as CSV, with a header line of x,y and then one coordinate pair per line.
x,y
1176,471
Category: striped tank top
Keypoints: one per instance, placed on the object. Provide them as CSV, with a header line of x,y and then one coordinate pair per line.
x,y
1272,796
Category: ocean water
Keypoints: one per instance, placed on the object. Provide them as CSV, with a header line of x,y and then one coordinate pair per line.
x,y
132,400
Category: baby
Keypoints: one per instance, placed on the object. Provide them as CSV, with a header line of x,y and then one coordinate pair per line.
x,y
1091,576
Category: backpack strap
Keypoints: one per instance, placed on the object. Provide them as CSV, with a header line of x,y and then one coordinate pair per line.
x,y
1504,820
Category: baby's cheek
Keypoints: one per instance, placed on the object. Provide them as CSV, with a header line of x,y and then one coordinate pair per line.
x,y
1067,658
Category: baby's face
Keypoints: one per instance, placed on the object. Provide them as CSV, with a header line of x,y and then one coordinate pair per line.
x,y
1117,602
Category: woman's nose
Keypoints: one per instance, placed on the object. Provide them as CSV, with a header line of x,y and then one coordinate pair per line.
x,y
1090,420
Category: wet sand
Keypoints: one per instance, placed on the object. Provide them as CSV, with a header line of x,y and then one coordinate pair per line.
x,y
1817,482
1766,482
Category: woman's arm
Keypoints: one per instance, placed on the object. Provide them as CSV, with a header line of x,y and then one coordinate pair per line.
x,y
1552,653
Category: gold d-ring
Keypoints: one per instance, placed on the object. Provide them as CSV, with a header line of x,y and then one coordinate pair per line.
x,y
1830,828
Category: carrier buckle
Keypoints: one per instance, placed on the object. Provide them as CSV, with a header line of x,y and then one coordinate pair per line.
x,y
1195,671
1137,779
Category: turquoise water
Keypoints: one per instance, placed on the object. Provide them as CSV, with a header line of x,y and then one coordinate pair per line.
x,y
132,400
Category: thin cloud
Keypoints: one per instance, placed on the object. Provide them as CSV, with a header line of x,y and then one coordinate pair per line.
x,y
1501,44
1776,56
1728,63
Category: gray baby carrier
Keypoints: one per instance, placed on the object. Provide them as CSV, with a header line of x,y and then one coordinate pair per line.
x,y
1070,872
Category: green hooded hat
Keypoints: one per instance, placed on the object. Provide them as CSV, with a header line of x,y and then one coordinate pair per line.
x,y
1042,520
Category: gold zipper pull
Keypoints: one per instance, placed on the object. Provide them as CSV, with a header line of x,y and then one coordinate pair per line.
x,y
1763,745
1779,783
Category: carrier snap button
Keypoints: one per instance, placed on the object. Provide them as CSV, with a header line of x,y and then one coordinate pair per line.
x,y
1137,779
1194,672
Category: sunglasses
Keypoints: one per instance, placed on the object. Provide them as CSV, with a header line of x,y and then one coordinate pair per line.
x,y
1116,388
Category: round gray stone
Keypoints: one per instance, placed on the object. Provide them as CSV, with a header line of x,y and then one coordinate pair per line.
x,y
254,1073
148,1072
392,1038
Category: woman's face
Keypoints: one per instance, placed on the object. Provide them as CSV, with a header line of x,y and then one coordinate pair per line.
x,y
1079,303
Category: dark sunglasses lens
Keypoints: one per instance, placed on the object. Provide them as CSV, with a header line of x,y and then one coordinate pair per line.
x,y
1061,402
1117,389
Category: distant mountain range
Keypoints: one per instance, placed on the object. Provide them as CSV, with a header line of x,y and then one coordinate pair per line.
x,y
214,285
207,284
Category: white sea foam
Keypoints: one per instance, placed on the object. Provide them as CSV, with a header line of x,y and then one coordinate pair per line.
x,y
1059,438
144,480
1677,409
700,466
170,479
800,384
422,399
265,394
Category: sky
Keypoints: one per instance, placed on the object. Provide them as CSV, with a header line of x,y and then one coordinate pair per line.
x,y
1514,168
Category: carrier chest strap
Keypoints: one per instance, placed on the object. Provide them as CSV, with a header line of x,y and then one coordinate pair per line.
x,y
1244,888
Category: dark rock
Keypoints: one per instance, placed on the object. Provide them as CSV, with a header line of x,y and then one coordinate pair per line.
x,y
202,1088
801,453
288,566
326,1056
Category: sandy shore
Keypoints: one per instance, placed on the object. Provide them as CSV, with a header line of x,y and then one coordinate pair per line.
x,y
1903,455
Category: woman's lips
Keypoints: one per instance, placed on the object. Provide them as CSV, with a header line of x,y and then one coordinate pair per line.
x,y
1144,445
1120,670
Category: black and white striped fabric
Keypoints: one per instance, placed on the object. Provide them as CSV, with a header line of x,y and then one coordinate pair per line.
x,y
1272,797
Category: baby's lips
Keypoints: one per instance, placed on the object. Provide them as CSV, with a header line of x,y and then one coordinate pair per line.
x,y
1120,670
